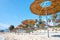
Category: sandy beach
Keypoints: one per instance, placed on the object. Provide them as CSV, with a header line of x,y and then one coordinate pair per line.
x,y
30,36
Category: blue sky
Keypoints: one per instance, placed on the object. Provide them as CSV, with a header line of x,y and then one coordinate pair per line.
x,y
12,12
15,11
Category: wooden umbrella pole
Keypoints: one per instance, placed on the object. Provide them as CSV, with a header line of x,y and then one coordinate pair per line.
x,y
39,19
47,22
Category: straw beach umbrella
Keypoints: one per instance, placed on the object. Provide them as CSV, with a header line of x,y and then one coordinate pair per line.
x,y
29,23
37,9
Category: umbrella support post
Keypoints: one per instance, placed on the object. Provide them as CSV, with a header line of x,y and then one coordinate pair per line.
x,y
47,27
47,22
48,32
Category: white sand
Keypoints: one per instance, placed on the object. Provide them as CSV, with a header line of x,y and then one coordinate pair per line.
x,y
26,36
36,35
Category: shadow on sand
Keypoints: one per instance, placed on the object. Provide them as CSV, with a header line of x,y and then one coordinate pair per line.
x,y
55,35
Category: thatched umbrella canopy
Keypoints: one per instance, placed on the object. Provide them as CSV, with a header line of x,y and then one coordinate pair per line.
x,y
58,21
20,26
38,10
31,22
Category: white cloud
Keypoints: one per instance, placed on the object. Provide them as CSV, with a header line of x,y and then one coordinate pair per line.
x,y
3,26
